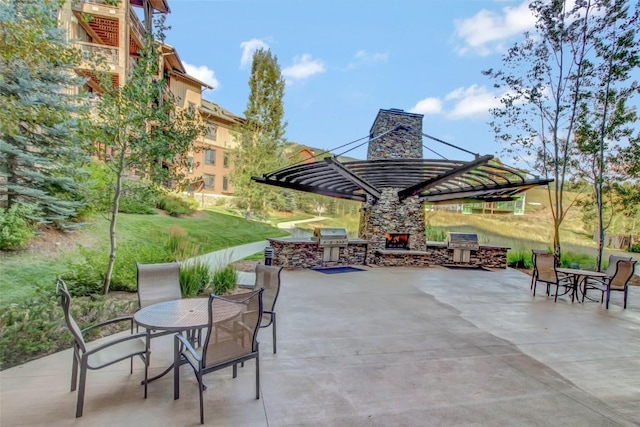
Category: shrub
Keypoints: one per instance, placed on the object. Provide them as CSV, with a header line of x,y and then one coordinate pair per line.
x,y
15,227
194,277
578,260
225,279
435,234
36,327
176,205
635,248
138,197
519,259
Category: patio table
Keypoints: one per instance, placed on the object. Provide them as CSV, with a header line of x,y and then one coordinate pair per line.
x,y
182,315
576,275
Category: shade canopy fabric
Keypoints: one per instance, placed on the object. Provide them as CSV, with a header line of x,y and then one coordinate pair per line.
x,y
432,180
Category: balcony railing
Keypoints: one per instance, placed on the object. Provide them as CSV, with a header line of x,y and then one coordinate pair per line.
x,y
94,52
77,4
136,26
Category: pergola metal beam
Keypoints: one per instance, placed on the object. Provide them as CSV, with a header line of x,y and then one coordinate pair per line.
x,y
420,187
309,189
507,189
347,174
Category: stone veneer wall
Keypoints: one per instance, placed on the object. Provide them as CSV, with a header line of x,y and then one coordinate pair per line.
x,y
438,254
400,144
308,254
389,215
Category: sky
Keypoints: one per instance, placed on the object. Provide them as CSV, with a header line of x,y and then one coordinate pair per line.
x,y
344,60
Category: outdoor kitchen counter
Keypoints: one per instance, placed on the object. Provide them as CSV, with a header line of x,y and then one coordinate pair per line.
x,y
444,245
304,252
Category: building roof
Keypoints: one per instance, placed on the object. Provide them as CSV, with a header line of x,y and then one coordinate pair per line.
x,y
213,109
159,5
433,181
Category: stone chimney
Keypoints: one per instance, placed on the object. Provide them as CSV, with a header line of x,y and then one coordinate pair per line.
x,y
403,143
389,214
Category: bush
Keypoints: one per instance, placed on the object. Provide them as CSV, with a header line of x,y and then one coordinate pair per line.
x,y
519,259
435,234
195,276
578,260
36,327
15,227
138,197
635,248
176,205
225,279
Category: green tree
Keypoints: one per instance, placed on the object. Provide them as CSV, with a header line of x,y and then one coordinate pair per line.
x,y
261,139
39,136
604,117
147,132
545,79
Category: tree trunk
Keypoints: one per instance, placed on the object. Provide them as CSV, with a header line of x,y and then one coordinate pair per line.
x,y
112,232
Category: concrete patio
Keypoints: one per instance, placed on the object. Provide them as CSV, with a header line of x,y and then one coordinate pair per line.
x,y
383,347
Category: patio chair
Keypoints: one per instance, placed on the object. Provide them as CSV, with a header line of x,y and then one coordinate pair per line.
x,y
92,355
158,283
545,268
233,345
534,274
268,277
619,281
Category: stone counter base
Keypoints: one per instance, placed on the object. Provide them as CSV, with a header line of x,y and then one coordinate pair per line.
x,y
303,254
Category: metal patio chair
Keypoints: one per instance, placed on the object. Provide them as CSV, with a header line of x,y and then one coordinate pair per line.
x,y
545,267
623,269
158,283
236,343
97,355
534,274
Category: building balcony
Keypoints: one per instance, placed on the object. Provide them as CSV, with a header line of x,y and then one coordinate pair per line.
x,y
106,7
93,54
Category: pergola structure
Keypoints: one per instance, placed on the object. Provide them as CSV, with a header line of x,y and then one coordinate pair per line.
x,y
432,180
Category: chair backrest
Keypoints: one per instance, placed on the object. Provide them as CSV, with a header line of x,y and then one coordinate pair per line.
x,y
545,264
624,271
613,260
76,332
534,253
241,338
158,283
268,277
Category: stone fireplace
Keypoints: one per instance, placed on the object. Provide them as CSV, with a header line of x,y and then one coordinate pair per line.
x,y
389,215
396,241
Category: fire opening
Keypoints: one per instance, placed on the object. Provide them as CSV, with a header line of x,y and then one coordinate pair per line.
x,y
396,240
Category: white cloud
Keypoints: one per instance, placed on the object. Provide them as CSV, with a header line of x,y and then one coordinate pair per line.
x,y
303,67
202,73
487,30
248,48
464,102
427,106
474,101
362,57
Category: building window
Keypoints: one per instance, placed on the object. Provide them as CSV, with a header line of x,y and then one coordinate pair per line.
x,y
192,107
209,157
225,160
212,131
225,183
190,163
209,181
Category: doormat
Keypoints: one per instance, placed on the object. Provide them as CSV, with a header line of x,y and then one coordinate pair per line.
x,y
337,270
466,267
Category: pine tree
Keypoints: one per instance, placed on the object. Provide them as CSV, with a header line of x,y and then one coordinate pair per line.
x,y
40,113
262,134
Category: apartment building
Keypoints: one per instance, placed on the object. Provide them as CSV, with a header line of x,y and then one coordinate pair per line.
x,y
114,31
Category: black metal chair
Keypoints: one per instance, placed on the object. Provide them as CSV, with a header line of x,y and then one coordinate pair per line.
x,y
623,270
89,355
223,347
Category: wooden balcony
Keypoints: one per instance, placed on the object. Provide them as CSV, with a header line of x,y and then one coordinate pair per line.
x,y
93,54
102,7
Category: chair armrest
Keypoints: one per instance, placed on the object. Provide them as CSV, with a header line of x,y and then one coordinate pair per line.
x,y
109,322
117,341
188,346
243,286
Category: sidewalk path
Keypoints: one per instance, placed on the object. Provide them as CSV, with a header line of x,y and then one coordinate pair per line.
x,y
218,259
292,224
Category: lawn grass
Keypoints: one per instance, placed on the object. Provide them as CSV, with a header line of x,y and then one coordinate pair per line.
x,y
22,272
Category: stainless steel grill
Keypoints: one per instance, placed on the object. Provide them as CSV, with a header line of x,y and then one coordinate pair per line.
x,y
462,245
331,237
